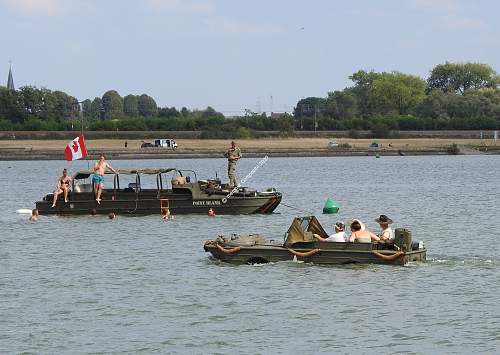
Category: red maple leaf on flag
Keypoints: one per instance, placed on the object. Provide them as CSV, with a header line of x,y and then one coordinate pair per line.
x,y
75,149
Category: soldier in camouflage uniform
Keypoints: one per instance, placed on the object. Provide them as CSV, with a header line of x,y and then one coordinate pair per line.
x,y
232,155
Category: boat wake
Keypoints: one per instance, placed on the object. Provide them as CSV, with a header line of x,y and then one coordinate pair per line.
x,y
481,261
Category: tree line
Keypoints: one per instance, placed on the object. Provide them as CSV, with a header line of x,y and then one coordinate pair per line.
x,y
40,109
454,96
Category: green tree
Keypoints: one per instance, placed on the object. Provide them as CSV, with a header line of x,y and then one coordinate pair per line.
x,y
397,92
210,112
66,106
49,104
433,105
341,105
363,84
168,112
310,106
87,108
112,104
460,77
32,100
147,106
131,105
96,109
11,106
284,124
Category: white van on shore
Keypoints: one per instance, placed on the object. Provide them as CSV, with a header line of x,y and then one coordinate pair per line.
x,y
165,143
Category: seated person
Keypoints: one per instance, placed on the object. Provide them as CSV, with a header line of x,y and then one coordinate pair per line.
x,y
178,180
339,235
361,236
63,186
133,187
387,232
363,227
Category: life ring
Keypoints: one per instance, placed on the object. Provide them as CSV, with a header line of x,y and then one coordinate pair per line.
x,y
304,254
228,251
389,257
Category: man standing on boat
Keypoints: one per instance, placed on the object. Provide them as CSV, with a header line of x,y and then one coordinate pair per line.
x,y
98,178
232,155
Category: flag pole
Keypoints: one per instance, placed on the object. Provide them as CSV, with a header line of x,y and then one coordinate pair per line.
x,y
80,113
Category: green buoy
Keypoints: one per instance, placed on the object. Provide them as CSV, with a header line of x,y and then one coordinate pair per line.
x,y
377,156
330,207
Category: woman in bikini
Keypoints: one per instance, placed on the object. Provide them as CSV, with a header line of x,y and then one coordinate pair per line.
x,y
63,186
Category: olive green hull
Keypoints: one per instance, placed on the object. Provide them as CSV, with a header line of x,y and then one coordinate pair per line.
x,y
146,203
322,253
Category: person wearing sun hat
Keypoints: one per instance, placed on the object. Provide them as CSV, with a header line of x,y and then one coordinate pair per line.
x,y
360,235
361,224
387,233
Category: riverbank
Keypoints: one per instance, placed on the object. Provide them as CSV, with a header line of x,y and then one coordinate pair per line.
x,y
17,149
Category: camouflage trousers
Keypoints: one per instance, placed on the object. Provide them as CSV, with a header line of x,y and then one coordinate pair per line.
x,y
231,173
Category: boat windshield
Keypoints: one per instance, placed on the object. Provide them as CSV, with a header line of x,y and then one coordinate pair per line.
x,y
302,229
127,179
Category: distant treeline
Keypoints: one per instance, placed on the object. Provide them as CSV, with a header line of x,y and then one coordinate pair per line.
x,y
34,109
455,96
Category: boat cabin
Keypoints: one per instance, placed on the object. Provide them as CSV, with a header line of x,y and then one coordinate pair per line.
x,y
138,181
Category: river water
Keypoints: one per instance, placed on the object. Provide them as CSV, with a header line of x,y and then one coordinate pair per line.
x,y
141,285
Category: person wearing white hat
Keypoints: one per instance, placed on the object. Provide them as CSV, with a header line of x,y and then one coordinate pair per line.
x,y
362,225
339,236
361,236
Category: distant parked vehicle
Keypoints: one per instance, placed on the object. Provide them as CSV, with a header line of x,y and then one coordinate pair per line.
x,y
165,143
333,144
160,143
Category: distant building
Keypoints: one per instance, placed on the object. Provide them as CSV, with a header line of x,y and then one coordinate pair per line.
x,y
10,80
277,115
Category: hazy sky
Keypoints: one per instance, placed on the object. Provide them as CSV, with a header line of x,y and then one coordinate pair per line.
x,y
236,54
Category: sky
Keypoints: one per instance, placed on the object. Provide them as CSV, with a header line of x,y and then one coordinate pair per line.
x,y
263,55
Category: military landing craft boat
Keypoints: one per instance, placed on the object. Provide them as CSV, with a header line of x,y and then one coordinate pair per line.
x,y
148,191
299,244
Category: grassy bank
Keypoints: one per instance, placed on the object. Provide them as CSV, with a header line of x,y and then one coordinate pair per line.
x,y
195,148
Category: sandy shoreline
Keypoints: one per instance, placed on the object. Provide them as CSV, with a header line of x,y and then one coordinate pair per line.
x,y
199,148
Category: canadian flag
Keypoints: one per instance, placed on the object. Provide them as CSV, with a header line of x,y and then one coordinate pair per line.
x,y
76,149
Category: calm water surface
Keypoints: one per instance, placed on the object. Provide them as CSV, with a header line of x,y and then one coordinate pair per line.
x,y
140,285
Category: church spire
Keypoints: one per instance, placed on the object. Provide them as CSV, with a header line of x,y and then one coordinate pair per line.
x,y
10,80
